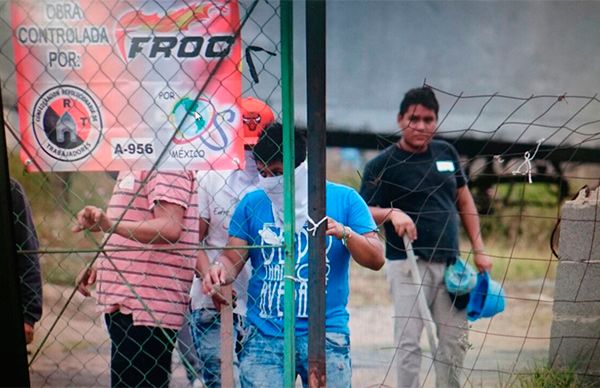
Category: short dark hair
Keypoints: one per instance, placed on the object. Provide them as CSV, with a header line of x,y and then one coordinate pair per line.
x,y
420,96
269,147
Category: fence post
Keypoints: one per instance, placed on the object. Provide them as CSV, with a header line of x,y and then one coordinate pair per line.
x,y
287,92
316,121
14,371
575,333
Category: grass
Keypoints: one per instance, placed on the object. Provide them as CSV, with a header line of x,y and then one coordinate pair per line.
x,y
518,237
545,377
516,264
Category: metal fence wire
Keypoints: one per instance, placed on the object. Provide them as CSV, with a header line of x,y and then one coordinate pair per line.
x,y
130,128
117,97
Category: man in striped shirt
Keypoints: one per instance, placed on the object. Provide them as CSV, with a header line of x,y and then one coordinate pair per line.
x,y
145,272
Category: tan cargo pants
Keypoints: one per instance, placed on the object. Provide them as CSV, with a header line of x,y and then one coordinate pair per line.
x,y
451,324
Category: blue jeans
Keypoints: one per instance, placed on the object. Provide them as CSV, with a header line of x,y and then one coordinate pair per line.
x,y
206,333
261,360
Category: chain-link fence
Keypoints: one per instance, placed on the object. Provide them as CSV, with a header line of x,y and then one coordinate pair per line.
x,y
520,188
110,93
119,101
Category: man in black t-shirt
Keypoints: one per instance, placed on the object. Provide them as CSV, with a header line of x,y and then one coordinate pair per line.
x,y
417,187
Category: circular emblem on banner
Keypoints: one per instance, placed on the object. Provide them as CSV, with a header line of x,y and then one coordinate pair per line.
x,y
201,116
67,123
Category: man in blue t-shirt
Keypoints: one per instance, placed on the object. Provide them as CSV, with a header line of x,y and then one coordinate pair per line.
x,y
417,187
258,220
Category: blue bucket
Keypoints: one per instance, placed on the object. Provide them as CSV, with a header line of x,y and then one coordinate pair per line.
x,y
487,298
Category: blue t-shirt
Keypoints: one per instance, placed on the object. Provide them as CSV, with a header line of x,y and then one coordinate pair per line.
x,y
253,222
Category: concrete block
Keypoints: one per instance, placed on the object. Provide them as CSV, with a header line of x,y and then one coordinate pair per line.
x,y
577,282
564,310
575,343
575,332
580,229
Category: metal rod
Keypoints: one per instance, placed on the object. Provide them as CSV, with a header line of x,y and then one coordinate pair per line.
x,y
316,125
421,302
287,91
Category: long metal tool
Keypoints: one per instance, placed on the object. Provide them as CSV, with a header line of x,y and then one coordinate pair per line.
x,y
421,302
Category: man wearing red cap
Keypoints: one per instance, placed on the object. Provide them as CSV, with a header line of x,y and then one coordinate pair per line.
x,y
218,194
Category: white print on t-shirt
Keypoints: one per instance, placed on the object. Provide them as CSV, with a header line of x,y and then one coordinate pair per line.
x,y
271,294
268,237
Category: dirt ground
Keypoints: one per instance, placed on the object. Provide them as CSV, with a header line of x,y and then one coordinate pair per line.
x,y
76,352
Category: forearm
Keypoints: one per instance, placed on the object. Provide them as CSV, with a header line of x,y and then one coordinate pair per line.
x,y
202,261
202,264
366,249
400,221
381,214
471,225
160,230
232,260
470,220
164,228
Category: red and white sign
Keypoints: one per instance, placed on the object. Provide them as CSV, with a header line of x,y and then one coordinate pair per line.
x,y
114,85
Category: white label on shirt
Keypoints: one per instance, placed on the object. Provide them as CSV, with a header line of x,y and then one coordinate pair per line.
x,y
127,182
445,165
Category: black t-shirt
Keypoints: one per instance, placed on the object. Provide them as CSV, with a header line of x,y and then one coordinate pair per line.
x,y
424,186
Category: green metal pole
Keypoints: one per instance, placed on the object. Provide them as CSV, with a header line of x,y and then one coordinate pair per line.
x,y
287,91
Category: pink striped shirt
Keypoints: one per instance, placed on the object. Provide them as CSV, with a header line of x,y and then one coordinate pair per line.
x,y
160,279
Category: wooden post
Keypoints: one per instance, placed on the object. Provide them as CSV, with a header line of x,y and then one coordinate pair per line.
x,y
227,339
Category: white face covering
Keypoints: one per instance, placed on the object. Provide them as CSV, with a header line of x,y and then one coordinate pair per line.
x,y
241,180
273,186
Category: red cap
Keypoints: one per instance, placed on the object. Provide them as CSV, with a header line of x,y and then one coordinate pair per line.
x,y
256,116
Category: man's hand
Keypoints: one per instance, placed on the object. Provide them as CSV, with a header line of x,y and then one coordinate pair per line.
x,y
482,261
85,280
334,228
93,219
28,333
403,224
220,300
212,282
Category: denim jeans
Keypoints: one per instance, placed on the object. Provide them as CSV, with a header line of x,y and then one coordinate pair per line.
x,y
206,333
261,360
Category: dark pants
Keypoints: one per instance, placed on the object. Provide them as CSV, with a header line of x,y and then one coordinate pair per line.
x,y
140,355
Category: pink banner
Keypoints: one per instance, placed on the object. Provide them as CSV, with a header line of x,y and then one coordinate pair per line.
x,y
106,85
